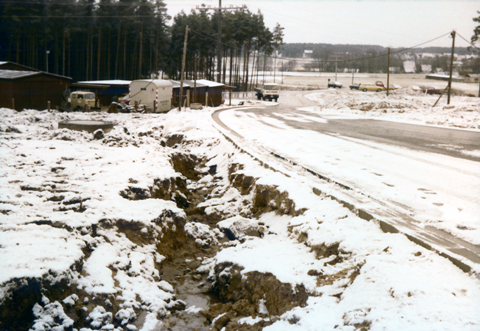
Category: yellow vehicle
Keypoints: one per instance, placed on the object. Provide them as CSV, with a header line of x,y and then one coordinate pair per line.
x,y
371,87
82,100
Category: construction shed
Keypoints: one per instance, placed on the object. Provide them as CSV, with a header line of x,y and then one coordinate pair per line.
x,y
155,94
215,93
197,91
32,89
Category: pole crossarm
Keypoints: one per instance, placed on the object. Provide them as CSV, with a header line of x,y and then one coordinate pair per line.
x,y
220,8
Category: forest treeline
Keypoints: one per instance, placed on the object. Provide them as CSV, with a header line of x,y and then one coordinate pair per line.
x,y
130,39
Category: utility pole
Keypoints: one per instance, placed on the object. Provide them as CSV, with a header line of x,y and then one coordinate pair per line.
x,y
336,63
195,81
219,43
388,71
219,35
183,67
337,57
46,59
451,67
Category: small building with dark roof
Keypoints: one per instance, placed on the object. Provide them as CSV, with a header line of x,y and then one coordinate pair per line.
x,y
32,89
198,91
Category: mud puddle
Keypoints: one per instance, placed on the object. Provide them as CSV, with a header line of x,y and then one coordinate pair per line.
x,y
192,289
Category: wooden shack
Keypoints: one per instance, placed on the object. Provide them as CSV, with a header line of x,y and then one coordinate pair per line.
x,y
31,89
215,92
198,91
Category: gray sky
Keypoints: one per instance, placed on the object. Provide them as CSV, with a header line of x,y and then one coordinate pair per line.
x,y
394,23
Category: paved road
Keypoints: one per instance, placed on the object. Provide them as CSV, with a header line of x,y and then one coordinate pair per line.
x,y
430,197
432,139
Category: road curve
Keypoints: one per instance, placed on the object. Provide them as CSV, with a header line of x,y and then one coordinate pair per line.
x,y
419,137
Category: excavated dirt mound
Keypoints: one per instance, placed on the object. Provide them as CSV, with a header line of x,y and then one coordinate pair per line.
x,y
250,294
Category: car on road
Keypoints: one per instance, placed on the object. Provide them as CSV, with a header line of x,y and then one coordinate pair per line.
x,y
334,84
433,90
355,86
371,87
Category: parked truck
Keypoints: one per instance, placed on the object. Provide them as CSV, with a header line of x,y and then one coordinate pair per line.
x,y
82,100
268,92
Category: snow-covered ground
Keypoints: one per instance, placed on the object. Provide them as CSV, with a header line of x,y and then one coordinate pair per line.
x,y
88,226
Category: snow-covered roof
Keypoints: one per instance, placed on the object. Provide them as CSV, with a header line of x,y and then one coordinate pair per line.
x,y
192,83
209,83
15,74
156,82
176,83
107,82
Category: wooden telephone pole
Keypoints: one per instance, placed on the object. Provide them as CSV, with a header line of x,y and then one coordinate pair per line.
x,y
183,68
219,34
451,67
388,71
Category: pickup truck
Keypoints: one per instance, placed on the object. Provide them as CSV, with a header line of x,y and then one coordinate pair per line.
x,y
267,92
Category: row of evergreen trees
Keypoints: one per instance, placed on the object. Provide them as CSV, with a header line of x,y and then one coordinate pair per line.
x,y
128,39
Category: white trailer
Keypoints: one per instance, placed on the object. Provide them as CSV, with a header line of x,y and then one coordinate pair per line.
x,y
155,94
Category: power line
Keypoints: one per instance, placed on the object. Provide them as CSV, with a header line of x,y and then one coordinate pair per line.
x,y
349,60
473,45
97,4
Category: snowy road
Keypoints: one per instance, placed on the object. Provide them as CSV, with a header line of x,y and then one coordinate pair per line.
x,y
432,181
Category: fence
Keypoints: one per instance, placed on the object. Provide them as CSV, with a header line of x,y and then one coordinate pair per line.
x,y
240,95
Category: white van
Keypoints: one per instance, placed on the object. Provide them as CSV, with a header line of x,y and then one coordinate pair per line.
x,y
155,94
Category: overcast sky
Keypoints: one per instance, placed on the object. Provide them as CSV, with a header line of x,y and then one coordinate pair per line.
x,y
394,23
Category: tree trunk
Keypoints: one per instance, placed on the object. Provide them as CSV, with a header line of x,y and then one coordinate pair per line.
x,y
133,74
231,64
125,55
87,56
109,57
63,51
18,48
99,51
57,53
141,54
118,51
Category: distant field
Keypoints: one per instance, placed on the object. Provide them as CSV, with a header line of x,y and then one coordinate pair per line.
x,y
320,80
